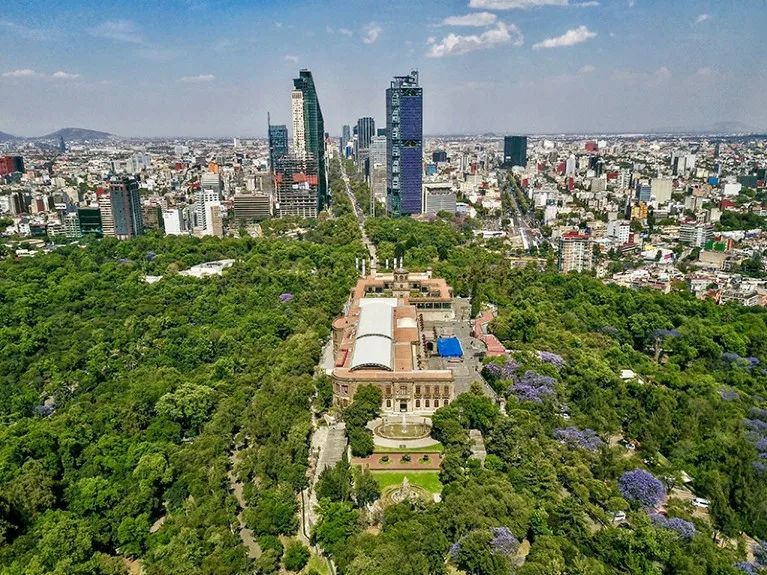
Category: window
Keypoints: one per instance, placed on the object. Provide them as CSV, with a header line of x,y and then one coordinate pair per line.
x,y
427,403
418,403
436,403
388,390
428,389
345,389
418,390
446,390
388,403
447,401
403,388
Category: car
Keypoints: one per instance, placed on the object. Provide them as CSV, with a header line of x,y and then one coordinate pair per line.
x,y
700,502
628,445
619,516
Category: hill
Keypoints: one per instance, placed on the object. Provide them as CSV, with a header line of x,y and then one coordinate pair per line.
x,y
70,134
7,137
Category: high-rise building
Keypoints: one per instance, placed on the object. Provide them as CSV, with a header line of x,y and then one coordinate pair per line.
x,y
695,234
71,223
570,168
278,141
346,135
378,150
90,221
11,165
366,130
120,208
644,191
439,156
206,197
575,252
252,207
662,189
309,129
514,151
174,222
404,145
62,145
297,184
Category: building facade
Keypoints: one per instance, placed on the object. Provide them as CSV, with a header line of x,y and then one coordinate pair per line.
x,y
125,201
576,253
297,186
253,207
404,145
278,143
309,129
514,151
385,340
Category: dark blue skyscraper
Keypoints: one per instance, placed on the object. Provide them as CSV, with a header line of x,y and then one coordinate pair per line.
x,y
346,135
514,151
404,145
278,142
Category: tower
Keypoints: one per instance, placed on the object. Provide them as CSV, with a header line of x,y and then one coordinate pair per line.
x,y
404,145
514,151
278,141
309,129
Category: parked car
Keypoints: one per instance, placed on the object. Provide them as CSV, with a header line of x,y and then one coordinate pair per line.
x,y
619,516
700,502
628,445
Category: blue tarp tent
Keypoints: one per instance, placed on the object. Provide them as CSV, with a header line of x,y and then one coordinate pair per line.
x,y
449,347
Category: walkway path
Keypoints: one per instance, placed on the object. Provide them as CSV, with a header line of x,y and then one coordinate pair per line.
x,y
236,486
373,462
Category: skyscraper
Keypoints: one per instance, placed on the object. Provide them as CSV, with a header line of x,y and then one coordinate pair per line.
x,y
404,143
121,209
346,135
309,129
278,141
514,151
366,129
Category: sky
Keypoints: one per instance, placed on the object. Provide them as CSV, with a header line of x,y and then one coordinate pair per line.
x,y
165,68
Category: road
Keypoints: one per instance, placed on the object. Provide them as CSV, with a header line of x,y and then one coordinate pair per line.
x,y
360,215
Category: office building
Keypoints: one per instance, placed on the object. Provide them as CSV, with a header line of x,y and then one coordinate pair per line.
x,y
120,208
297,186
644,192
89,220
382,341
71,224
174,222
438,197
662,189
439,156
570,165
404,145
378,151
346,136
619,231
309,129
575,252
11,165
514,151
366,130
278,141
255,207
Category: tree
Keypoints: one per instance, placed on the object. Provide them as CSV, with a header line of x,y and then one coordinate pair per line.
x,y
296,556
366,488
189,405
335,483
641,487
338,521
361,442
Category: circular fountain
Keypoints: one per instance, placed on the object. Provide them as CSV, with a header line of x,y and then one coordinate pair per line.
x,y
390,428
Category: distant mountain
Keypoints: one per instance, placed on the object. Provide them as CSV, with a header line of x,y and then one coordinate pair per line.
x,y
7,137
75,134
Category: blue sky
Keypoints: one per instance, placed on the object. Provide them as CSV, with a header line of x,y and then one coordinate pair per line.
x,y
215,67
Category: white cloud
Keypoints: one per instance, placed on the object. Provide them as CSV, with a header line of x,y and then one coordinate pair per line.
x,y
588,69
120,30
702,18
64,76
345,31
25,31
526,4
25,73
706,71
289,58
569,38
663,73
278,24
198,79
631,3
372,31
455,45
474,19
329,30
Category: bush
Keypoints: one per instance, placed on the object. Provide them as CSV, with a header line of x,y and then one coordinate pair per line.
x,y
266,542
296,556
405,458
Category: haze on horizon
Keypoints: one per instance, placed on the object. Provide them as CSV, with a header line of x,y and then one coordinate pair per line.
x,y
215,67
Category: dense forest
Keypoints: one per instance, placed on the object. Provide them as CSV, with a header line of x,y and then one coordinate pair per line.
x,y
128,408
123,403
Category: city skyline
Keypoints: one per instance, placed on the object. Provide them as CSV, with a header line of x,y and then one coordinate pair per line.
x,y
567,66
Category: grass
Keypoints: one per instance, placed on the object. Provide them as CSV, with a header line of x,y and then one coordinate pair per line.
x,y
429,480
319,564
437,448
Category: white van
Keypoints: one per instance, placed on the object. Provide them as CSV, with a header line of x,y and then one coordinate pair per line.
x,y
619,516
700,502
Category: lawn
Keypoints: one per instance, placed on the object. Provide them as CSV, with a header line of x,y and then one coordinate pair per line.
x,y
436,448
429,480
318,564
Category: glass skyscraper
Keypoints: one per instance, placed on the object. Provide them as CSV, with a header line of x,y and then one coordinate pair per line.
x,y
309,129
404,145
278,142
514,151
